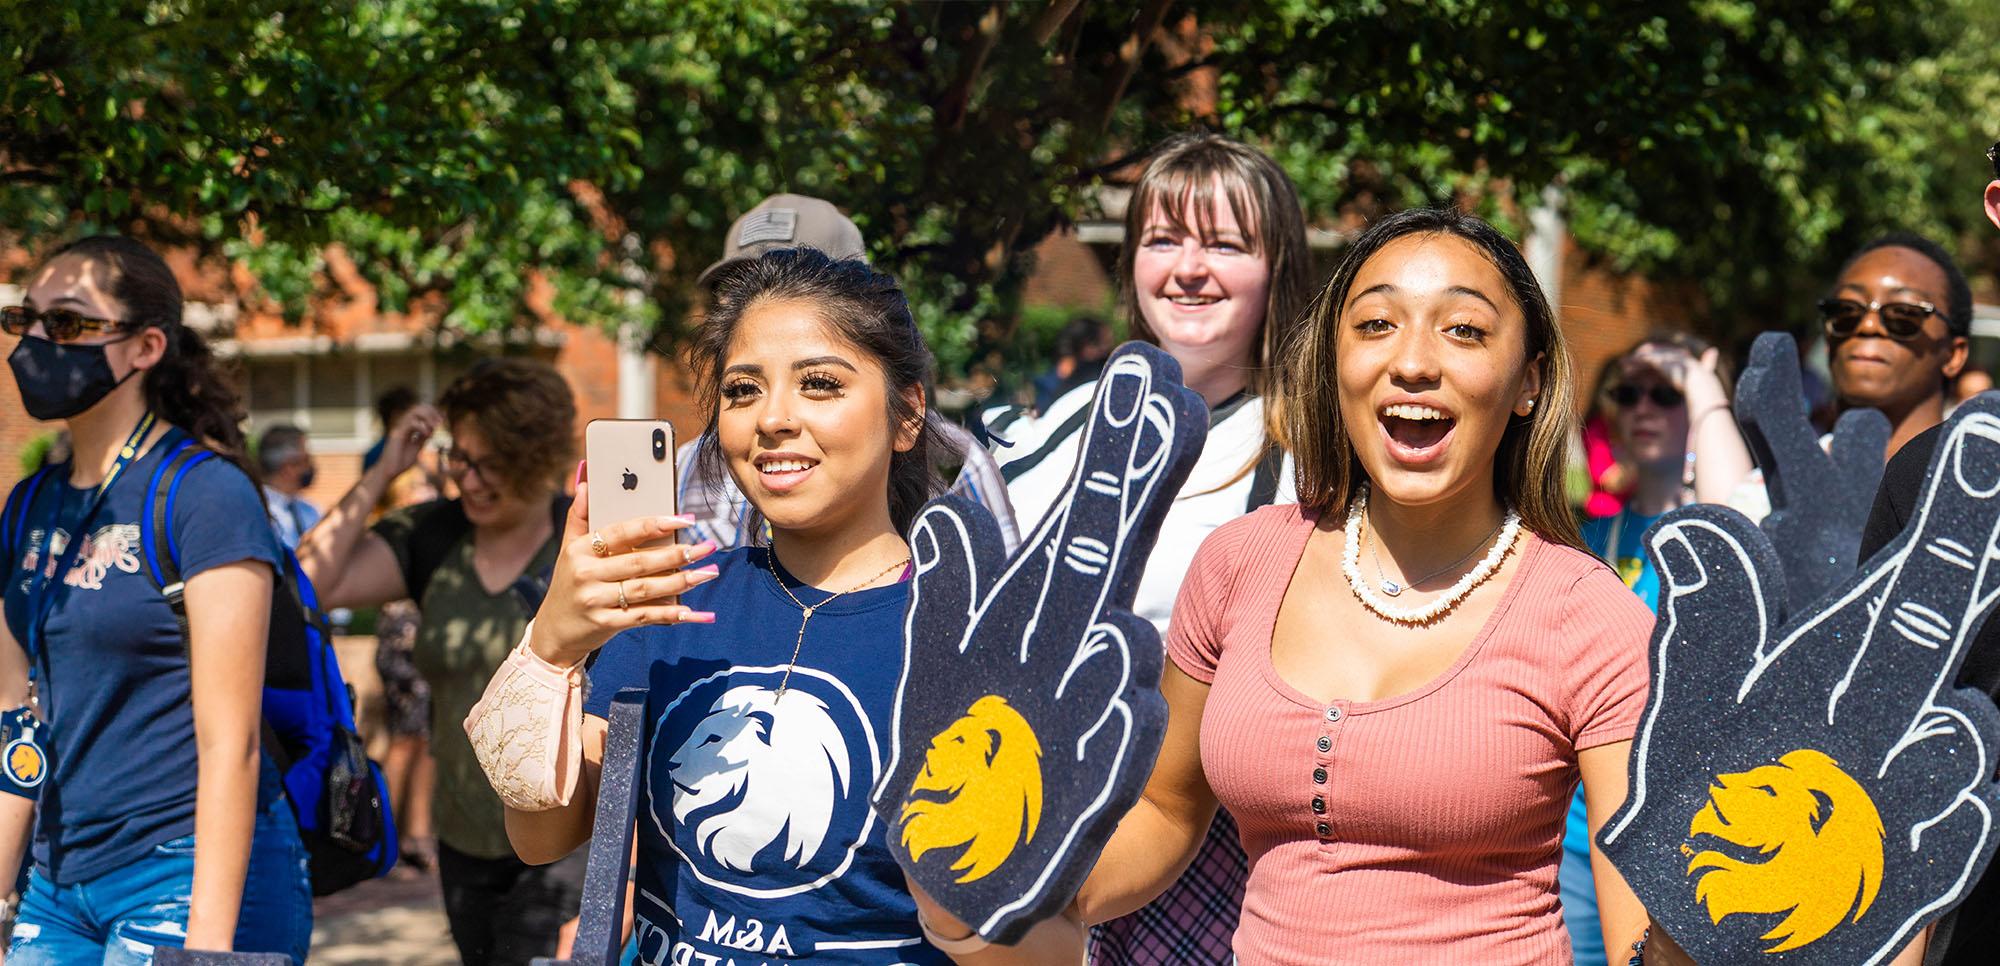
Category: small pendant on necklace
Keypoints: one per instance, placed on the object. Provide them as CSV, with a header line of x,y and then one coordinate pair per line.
x,y
809,613
1392,588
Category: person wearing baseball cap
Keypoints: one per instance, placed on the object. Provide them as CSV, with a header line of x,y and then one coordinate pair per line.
x,y
798,221
787,221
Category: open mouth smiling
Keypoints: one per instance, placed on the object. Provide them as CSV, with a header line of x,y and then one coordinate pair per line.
x,y
1416,432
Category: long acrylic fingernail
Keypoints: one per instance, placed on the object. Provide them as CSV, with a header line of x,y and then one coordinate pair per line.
x,y
579,471
701,550
698,617
702,575
683,517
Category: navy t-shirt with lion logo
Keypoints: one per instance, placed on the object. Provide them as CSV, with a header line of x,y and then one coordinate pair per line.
x,y
756,840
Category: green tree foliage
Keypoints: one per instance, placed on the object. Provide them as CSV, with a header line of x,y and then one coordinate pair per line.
x,y
449,144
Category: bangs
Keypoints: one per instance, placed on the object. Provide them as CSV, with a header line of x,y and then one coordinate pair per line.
x,y
1186,197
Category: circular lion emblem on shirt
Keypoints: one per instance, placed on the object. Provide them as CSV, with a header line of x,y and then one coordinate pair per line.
x,y
769,790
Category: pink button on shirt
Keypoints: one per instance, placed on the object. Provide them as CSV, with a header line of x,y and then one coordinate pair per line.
x,y
1440,812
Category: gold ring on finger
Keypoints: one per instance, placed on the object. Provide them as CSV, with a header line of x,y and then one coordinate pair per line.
x,y
597,544
621,596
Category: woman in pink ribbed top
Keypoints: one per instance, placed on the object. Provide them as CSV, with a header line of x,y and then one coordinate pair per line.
x,y
1396,685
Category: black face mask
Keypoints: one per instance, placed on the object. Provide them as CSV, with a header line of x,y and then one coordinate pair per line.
x,y
58,380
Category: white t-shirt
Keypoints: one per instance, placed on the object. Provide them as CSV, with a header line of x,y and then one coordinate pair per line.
x,y
1037,454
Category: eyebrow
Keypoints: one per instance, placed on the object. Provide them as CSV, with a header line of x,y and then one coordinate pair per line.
x,y
1898,290
1387,289
753,369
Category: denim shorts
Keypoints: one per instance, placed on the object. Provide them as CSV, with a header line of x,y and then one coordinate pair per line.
x,y
120,917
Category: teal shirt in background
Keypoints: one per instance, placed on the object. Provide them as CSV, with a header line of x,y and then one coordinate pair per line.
x,y
1620,541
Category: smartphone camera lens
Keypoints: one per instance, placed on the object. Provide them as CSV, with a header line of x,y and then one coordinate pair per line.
x,y
659,446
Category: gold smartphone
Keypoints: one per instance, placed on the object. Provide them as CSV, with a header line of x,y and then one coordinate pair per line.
x,y
630,463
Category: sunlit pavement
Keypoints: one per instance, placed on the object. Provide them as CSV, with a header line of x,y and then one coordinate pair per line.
x,y
390,921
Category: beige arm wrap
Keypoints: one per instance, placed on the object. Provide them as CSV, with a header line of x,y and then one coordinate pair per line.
x,y
527,730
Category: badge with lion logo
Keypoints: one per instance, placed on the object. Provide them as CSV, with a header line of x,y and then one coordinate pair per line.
x,y
22,758
1809,784
1029,712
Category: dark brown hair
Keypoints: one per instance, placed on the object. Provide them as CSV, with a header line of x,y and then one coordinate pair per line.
x,y
187,387
1181,179
860,305
1530,463
528,416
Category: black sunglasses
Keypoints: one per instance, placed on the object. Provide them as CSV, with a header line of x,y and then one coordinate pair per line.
x,y
1665,397
1993,158
61,325
1902,321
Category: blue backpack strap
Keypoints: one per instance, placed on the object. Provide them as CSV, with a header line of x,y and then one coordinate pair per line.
x,y
156,532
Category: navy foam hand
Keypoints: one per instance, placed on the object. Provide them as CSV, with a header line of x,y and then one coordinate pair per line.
x,y
1815,787
1029,712
1820,498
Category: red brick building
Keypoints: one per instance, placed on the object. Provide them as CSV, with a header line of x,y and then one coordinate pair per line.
x,y
324,374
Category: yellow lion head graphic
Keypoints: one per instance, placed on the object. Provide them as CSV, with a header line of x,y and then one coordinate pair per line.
x,y
987,768
1819,838
24,762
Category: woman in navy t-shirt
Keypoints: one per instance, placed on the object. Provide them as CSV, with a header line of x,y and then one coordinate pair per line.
x,y
159,822
772,692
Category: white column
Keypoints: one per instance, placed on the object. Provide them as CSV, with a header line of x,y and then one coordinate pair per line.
x,y
637,379
1544,245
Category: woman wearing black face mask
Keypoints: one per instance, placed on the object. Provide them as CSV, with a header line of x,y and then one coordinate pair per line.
x,y
161,823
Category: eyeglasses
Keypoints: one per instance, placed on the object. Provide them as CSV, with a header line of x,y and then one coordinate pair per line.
x,y
1665,397
61,325
1993,158
454,464
1902,321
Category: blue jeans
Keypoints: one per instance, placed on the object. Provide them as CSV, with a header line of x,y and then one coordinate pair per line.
x,y
120,917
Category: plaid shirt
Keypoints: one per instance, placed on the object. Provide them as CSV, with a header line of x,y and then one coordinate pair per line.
x,y
1192,922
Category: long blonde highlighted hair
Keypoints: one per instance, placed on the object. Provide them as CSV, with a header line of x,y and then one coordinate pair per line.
x,y
1533,456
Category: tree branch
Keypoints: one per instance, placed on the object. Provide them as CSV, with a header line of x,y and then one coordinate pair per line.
x,y
1052,19
953,105
1129,54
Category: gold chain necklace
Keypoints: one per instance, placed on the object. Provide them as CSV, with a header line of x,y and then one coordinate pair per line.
x,y
814,609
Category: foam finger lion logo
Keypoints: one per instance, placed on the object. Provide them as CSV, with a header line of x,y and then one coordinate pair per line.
x,y
1812,786
1029,711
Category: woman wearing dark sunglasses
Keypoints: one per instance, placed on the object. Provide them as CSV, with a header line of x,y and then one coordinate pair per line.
x,y
160,821
1668,403
1896,324
476,566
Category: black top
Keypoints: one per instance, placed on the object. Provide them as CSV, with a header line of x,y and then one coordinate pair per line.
x,y
1973,930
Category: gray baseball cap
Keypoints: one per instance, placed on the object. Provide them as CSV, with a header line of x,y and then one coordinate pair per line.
x,y
788,221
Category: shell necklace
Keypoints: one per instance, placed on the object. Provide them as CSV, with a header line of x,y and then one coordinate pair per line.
x,y
814,609
1357,512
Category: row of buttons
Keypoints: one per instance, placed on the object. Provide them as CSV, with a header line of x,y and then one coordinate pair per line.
x,y
1325,745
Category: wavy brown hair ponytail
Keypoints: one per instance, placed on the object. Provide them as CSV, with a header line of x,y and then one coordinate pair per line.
x,y
187,387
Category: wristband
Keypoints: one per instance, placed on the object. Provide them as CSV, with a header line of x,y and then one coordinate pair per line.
x,y
950,947
527,730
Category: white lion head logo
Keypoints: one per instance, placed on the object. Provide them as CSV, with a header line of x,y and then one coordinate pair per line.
x,y
758,765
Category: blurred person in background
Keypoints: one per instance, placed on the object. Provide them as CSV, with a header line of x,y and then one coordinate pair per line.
x,y
389,408
1610,477
407,766
1081,348
162,822
1968,934
477,567
1970,382
1666,404
287,464
1898,320
1216,272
